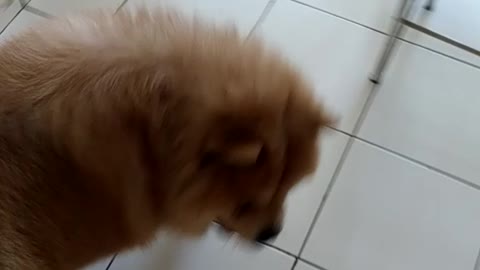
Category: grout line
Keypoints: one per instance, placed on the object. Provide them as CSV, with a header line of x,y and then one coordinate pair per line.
x,y
280,250
38,12
477,262
11,20
413,160
327,193
296,257
366,107
294,265
111,262
340,163
338,16
436,35
121,6
384,33
23,3
344,132
262,17
422,164
440,53
312,264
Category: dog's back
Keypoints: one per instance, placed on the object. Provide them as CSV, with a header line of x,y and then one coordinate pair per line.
x,y
54,214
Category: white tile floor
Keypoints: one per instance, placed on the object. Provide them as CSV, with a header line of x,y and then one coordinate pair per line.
x,y
398,189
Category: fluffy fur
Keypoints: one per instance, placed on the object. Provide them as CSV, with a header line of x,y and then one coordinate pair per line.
x,y
112,127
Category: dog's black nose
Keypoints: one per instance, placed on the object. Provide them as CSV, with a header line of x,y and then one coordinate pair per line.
x,y
267,234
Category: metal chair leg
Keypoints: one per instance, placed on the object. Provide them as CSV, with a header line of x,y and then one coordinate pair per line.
x,y
402,13
430,4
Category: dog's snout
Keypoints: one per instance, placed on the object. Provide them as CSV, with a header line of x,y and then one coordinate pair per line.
x,y
268,233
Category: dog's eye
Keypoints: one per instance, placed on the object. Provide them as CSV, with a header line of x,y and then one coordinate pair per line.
x,y
244,209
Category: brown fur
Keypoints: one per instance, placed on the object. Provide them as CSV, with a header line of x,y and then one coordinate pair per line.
x,y
112,127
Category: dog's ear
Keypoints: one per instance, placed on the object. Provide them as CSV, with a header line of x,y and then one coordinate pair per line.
x,y
233,144
241,153
306,116
324,119
309,121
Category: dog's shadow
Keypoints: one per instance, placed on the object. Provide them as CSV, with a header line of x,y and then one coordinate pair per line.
x,y
169,252
163,254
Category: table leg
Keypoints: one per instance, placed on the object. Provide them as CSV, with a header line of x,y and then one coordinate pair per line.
x,y
402,13
430,4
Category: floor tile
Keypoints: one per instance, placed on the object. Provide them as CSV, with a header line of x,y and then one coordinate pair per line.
x,y
100,265
305,199
376,14
337,56
211,253
21,22
8,10
60,7
243,13
428,108
455,19
303,266
387,213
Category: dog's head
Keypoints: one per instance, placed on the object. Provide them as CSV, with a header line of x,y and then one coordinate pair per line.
x,y
249,128
258,154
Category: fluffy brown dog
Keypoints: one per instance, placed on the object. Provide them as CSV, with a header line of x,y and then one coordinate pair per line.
x,y
112,127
